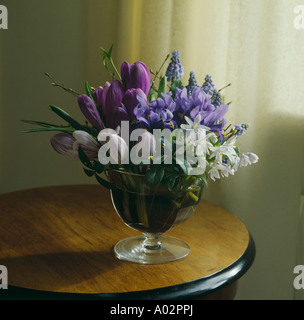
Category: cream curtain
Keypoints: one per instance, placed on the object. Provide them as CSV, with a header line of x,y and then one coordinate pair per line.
x,y
255,46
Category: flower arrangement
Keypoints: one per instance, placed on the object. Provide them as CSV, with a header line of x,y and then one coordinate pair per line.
x,y
139,103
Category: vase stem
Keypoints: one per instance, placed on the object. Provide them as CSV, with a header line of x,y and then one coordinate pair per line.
x,y
152,241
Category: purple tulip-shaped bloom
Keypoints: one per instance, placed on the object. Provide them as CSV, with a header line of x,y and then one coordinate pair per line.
x,y
89,110
63,143
87,143
115,111
136,76
100,95
66,144
130,101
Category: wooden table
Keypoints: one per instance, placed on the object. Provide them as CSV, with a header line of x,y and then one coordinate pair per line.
x,y
57,243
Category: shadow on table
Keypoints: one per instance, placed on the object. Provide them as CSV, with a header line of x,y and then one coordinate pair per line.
x,y
60,272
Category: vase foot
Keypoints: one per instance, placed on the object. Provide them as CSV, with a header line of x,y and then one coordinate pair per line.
x,y
135,250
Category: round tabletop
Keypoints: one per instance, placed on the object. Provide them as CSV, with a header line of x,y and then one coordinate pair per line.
x,y
58,242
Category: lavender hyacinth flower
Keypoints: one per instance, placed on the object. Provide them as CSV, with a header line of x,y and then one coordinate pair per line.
x,y
146,118
216,98
198,102
136,76
89,110
159,114
208,86
175,69
192,84
239,129
164,106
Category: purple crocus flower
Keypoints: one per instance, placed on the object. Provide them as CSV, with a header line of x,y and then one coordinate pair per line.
x,y
100,95
66,144
116,101
87,143
116,104
114,110
62,143
89,110
136,76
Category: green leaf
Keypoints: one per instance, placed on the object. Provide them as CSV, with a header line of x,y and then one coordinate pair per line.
x,y
60,129
104,60
98,167
184,166
152,94
65,116
171,184
110,51
205,181
169,178
89,91
104,183
89,173
176,84
150,175
38,123
162,86
155,175
84,158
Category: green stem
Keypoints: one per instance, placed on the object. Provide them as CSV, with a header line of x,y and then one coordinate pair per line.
x,y
114,67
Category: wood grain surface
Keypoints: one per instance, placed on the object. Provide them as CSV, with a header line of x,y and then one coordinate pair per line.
x,y
60,239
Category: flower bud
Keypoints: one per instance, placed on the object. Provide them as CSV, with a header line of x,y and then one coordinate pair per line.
x,y
90,111
130,101
136,76
62,143
87,143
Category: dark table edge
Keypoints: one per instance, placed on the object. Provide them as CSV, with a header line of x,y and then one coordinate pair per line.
x,y
195,289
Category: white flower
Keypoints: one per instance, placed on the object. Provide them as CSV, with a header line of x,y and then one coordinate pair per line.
x,y
248,158
226,171
214,172
253,158
211,139
219,170
226,149
87,143
244,160
194,125
85,139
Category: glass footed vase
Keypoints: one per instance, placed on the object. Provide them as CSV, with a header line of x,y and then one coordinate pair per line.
x,y
153,212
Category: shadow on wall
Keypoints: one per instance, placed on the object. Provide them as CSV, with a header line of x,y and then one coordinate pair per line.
x,y
266,196
42,37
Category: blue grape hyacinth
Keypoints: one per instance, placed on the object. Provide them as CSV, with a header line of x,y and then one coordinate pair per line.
x,y
216,98
192,83
208,86
175,69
